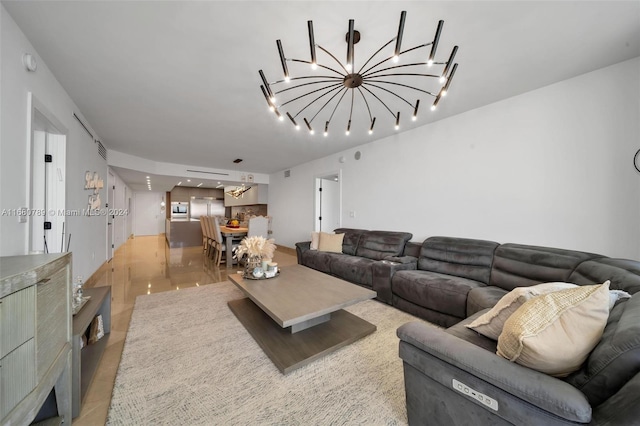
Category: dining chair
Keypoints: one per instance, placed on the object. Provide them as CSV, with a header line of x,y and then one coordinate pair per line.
x,y
205,234
258,227
211,249
221,245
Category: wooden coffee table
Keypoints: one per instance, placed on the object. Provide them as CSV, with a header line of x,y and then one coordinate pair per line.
x,y
297,317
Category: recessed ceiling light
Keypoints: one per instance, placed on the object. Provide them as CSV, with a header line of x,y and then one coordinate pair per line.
x,y
199,185
188,180
180,183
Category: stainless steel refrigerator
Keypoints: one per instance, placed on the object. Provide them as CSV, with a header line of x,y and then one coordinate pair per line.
x,y
206,206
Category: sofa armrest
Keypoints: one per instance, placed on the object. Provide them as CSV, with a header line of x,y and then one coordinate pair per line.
x,y
402,259
383,271
545,392
301,247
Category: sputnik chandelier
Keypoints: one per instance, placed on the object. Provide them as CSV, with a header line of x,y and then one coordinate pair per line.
x,y
311,95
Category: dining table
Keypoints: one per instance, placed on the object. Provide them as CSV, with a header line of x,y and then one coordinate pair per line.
x,y
231,234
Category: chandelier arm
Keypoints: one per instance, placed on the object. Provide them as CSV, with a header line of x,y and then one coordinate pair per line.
x,y
391,57
400,84
366,103
309,93
336,107
316,99
326,103
317,64
380,100
401,73
334,58
307,76
374,55
307,84
353,93
396,67
394,94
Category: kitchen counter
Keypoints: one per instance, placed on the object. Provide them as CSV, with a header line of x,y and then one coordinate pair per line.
x,y
183,232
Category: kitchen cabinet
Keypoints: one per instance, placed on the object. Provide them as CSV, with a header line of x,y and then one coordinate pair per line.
x,y
180,194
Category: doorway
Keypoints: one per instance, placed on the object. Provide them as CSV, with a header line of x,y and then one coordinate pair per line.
x,y
47,193
111,182
328,198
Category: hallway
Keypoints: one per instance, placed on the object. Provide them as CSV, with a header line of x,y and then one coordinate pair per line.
x,y
141,266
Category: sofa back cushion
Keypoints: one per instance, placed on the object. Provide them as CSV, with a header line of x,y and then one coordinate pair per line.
x,y
351,239
517,265
616,358
377,245
624,274
460,257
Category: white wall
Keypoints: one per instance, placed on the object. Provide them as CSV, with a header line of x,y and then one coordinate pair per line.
x,y
148,217
88,241
550,167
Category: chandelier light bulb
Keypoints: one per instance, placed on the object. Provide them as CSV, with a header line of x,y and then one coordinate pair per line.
x,y
397,127
430,62
273,99
433,107
347,132
271,108
297,127
314,66
414,118
370,131
281,118
287,79
311,132
442,80
326,134
348,67
396,58
443,93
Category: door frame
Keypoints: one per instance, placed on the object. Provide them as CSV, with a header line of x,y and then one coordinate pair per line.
x,y
35,106
317,204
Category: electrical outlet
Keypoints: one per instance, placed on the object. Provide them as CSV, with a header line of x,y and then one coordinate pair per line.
x,y
472,393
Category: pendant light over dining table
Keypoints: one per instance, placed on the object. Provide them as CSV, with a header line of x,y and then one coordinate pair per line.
x,y
384,86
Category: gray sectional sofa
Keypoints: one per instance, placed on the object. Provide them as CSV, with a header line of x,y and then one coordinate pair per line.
x,y
450,282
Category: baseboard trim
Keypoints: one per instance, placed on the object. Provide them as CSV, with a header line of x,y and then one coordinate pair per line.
x,y
287,250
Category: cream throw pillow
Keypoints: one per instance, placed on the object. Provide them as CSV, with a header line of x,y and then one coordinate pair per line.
x,y
315,240
490,323
554,333
330,242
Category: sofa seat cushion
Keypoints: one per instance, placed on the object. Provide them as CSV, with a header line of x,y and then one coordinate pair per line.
x,y
616,358
461,331
377,245
432,290
482,298
354,269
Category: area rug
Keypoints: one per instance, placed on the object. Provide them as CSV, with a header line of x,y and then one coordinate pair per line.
x,y
187,360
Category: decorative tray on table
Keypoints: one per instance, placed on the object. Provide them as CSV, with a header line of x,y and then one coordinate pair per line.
x,y
251,277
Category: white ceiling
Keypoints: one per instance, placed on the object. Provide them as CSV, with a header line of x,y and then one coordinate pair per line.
x,y
177,81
